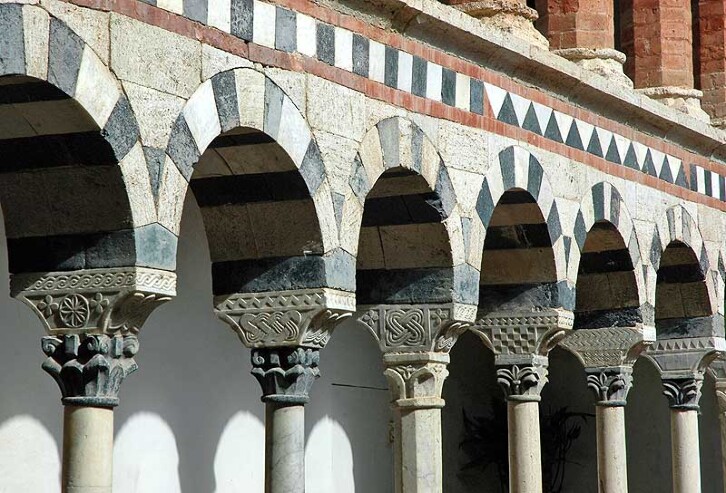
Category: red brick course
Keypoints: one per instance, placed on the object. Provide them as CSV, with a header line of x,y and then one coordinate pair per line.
x,y
295,62
577,23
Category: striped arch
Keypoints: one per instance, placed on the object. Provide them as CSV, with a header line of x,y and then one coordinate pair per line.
x,y
38,51
399,143
519,169
245,98
678,225
603,202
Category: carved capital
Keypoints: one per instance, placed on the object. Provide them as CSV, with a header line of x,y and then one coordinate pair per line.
x,y
513,333
523,382
610,385
89,369
718,372
303,317
95,301
682,358
416,379
417,328
609,347
683,393
286,374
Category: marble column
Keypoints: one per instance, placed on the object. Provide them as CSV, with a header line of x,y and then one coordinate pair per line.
x,y
285,331
683,395
682,363
286,376
415,341
611,387
718,371
521,342
522,385
93,318
608,355
415,381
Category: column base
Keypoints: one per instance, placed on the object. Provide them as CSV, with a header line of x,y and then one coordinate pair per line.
x,y
680,98
506,16
603,61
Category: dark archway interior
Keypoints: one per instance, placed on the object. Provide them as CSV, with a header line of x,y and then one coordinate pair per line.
x,y
518,267
404,254
607,293
61,189
259,217
682,306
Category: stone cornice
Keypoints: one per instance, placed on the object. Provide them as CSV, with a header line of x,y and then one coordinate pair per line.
x,y
451,30
525,333
94,301
416,328
304,318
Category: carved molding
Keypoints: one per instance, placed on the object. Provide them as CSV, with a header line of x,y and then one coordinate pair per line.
x,y
610,385
416,379
414,328
523,382
285,318
682,358
513,333
99,301
683,393
608,347
286,374
89,369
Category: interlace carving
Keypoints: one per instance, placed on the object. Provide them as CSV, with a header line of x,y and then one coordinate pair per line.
x,y
110,301
285,318
611,385
523,382
286,374
416,379
523,333
89,369
683,393
414,328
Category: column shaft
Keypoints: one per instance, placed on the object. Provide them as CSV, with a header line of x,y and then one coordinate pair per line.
x,y
722,420
420,469
87,449
612,468
525,456
685,451
284,448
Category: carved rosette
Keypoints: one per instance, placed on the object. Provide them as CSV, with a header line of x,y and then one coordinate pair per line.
x,y
285,318
609,347
286,374
523,382
89,369
417,328
416,379
98,301
526,333
610,385
683,393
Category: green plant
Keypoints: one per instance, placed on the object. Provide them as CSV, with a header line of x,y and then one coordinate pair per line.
x,y
485,443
